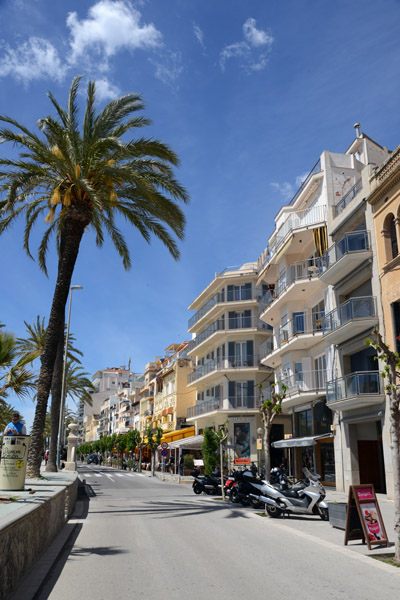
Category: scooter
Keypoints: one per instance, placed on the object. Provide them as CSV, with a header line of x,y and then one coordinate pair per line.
x,y
307,500
206,483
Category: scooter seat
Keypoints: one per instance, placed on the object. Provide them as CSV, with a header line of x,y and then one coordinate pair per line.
x,y
289,493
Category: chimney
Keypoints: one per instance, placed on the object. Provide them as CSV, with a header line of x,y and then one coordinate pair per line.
x,y
357,128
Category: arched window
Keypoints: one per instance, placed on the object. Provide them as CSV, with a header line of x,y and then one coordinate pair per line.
x,y
389,233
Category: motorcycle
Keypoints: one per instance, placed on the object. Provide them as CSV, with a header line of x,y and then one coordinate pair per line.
x,y
307,499
209,484
247,489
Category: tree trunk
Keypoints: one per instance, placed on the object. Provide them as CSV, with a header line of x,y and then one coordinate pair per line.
x,y
74,230
267,450
56,387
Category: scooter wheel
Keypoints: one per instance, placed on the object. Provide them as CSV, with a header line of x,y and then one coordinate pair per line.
x,y
197,488
323,513
234,496
273,511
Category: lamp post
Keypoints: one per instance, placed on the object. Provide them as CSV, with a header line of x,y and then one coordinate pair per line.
x,y
260,432
64,378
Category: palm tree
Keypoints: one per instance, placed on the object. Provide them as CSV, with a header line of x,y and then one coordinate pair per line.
x,y
32,347
85,179
13,374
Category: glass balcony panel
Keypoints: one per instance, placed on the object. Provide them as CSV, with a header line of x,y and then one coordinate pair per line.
x,y
361,383
355,308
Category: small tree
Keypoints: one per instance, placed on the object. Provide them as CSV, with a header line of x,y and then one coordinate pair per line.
x,y
121,443
391,372
269,409
153,441
210,447
140,444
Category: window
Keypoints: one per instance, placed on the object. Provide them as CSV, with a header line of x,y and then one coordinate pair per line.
x,y
320,372
241,394
318,313
389,234
241,354
238,292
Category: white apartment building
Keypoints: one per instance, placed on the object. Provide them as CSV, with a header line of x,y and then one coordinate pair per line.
x,y
322,301
227,337
106,382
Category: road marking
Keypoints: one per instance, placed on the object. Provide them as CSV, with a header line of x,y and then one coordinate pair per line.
x,y
109,477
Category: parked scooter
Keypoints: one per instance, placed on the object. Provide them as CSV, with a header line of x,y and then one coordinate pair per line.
x,y
307,499
205,483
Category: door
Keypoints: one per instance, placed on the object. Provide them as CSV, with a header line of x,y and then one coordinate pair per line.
x,y
369,463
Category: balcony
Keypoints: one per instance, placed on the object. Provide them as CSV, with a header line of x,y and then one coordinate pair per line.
x,y
301,333
167,426
356,390
304,386
351,318
297,283
345,256
295,221
220,327
217,365
345,201
238,294
226,404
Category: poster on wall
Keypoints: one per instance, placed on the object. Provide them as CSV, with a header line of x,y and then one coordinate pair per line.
x,y
242,443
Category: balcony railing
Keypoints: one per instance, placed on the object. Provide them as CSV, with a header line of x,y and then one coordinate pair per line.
x,y
295,220
302,324
305,269
236,295
230,403
361,383
355,241
347,198
360,308
305,382
239,321
222,364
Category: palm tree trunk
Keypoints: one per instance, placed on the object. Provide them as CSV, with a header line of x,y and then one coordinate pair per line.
x,y
56,387
74,230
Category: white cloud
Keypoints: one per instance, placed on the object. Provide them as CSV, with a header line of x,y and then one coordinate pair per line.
x,y
169,68
253,52
256,37
285,189
301,178
234,50
35,59
199,34
105,90
109,28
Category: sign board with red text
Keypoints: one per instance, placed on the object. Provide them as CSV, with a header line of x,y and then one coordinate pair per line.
x,y
364,520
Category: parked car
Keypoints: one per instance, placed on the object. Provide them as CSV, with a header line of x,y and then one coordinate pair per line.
x,y
92,458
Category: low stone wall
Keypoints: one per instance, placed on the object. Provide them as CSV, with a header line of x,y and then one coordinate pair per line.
x,y
29,532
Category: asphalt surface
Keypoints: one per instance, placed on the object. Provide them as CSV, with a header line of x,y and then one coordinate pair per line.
x,y
145,537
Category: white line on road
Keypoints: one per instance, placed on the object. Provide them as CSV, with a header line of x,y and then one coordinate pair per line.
x,y
109,477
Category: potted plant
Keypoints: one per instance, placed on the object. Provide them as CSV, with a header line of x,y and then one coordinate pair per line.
x,y
188,463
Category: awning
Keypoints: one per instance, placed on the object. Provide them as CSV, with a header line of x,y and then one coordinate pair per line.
x,y
193,443
300,442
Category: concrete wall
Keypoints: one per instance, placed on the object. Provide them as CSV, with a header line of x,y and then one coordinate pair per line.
x,y
29,531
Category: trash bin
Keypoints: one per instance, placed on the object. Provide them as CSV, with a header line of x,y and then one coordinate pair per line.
x,y
14,455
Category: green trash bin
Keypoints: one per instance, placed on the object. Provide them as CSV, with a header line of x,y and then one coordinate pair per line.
x,y
14,456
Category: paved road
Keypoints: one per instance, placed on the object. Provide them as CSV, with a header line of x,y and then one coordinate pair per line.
x,y
152,539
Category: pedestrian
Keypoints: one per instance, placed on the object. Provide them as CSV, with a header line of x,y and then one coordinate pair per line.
x,y
100,458
181,465
15,427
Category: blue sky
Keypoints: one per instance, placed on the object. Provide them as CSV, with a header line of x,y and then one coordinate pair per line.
x,y
248,93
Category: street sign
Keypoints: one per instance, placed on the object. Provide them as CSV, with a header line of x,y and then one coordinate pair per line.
x,y
164,446
164,452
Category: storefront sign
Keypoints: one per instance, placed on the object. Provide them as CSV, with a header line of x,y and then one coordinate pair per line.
x,y
242,461
364,519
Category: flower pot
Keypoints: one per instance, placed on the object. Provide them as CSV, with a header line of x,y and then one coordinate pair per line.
x,y
337,514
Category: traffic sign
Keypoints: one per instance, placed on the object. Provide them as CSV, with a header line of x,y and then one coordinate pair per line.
x,y
164,452
164,445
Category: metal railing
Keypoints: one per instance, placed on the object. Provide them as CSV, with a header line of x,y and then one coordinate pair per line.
x,y
266,348
305,381
246,268
363,307
355,241
222,364
303,270
236,295
347,198
239,321
295,220
360,383
230,403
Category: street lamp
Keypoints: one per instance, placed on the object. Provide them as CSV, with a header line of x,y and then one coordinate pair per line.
x,y
260,432
64,378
